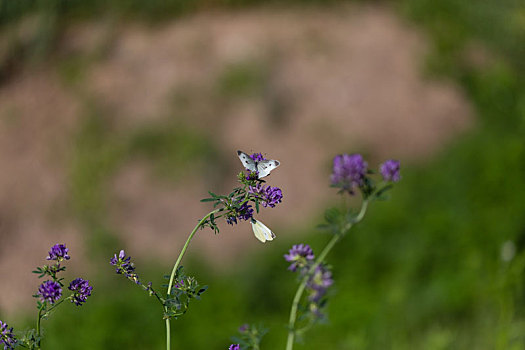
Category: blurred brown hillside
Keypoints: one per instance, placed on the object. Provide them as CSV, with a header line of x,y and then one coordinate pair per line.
x,y
128,126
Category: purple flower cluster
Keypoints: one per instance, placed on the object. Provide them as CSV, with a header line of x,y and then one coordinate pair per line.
x,y
82,290
390,170
319,282
349,171
268,195
319,279
50,291
245,212
257,157
124,266
234,347
58,252
6,336
300,255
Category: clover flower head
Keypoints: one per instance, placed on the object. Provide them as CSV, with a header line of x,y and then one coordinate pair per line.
x,y
82,290
124,266
50,291
390,170
268,195
299,256
6,336
58,252
319,282
244,212
123,263
231,220
349,171
234,347
257,157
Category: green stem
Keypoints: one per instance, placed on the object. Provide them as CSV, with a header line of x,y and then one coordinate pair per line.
x,y
56,305
300,290
40,315
38,325
168,339
176,266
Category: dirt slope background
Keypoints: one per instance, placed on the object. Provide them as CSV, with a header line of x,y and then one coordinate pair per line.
x,y
131,125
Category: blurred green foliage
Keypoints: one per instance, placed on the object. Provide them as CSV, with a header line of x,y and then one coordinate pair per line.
x,y
423,271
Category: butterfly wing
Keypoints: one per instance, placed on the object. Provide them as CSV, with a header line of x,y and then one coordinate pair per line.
x,y
258,232
247,161
264,167
262,232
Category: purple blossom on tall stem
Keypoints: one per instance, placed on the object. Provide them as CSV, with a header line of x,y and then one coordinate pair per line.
x,y
6,336
319,282
50,291
58,252
124,266
82,290
245,212
349,171
299,256
268,195
123,263
234,347
390,170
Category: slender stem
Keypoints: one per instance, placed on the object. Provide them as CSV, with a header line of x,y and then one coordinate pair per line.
x,y
175,267
40,315
362,212
185,247
300,290
168,339
38,325
55,305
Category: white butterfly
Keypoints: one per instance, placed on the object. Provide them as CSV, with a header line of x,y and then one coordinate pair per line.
x,y
261,232
263,167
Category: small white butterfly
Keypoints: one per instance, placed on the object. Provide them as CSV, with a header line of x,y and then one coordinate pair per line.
x,y
263,167
261,232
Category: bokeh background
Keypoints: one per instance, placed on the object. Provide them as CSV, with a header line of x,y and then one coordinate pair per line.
x,y
117,117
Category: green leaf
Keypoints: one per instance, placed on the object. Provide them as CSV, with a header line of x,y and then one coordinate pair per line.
x,y
208,200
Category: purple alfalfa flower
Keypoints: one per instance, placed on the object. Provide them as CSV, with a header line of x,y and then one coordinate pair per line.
x,y
82,290
179,284
349,171
123,263
7,337
257,157
300,255
319,282
234,347
231,220
268,195
50,291
58,252
390,170
124,266
244,212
